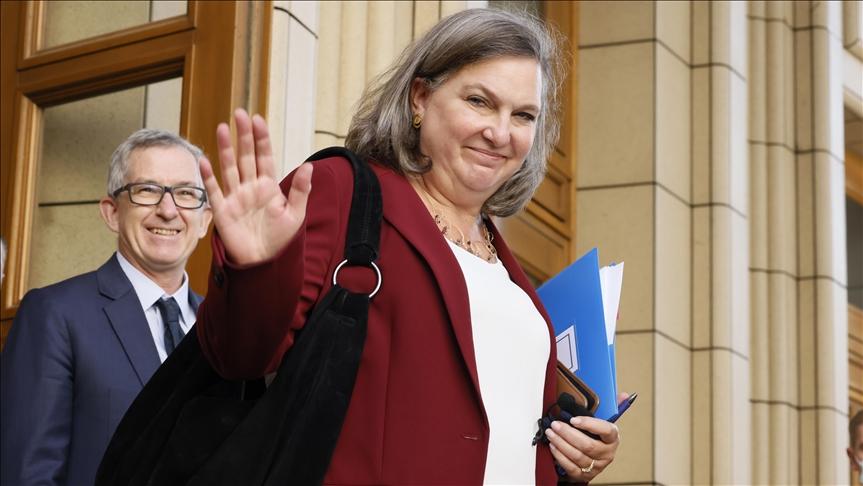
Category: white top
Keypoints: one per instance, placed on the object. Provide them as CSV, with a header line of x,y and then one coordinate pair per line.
x,y
512,346
148,293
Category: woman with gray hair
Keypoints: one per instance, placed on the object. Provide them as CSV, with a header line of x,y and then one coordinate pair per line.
x,y
458,363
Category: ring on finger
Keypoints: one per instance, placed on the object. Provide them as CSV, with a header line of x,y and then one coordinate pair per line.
x,y
587,469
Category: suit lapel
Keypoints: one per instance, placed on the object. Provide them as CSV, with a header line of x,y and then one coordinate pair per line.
x,y
127,319
401,207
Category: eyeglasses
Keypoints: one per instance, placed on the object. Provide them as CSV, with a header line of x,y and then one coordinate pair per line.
x,y
148,194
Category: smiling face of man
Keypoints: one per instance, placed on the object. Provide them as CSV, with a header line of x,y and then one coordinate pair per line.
x,y
158,240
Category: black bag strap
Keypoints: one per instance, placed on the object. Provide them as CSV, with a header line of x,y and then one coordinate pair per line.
x,y
364,223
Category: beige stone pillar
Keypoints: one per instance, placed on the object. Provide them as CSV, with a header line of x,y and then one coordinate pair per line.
x,y
823,345
799,314
773,270
670,79
293,61
633,199
720,255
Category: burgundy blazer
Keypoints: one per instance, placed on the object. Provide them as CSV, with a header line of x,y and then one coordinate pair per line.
x,y
416,415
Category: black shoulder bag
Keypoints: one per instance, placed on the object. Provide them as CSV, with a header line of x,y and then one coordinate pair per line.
x,y
190,426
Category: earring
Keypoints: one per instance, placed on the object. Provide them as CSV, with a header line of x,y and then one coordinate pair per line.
x,y
417,120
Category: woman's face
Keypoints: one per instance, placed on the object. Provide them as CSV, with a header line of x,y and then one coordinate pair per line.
x,y
478,126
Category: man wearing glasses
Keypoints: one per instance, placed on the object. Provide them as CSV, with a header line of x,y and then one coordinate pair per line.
x,y
80,351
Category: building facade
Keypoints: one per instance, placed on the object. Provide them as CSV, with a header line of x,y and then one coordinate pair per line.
x,y
715,147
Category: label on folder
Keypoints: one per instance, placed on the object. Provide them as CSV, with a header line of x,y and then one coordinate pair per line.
x,y
583,302
567,353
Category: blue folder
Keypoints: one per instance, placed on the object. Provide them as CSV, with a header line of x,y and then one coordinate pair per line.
x,y
574,298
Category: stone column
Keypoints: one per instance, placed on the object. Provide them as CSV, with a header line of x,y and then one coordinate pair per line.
x,y
774,270
670,79
821,257
720,234
634,199
293,61
798,273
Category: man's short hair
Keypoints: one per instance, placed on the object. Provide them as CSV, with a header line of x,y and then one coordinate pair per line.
x,y
142,139
854,427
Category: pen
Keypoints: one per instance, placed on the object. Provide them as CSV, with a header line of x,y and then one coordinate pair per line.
x,y
623,407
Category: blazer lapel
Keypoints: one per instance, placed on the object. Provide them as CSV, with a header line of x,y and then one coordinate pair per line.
x,y
401,207
127,319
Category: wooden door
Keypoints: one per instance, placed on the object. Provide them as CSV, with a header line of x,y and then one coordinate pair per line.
x,y
543,235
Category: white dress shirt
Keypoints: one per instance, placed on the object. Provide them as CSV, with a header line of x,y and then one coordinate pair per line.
x,y
512,346
149,293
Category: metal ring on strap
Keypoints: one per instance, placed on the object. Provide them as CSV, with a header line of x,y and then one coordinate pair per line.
x,y
375,267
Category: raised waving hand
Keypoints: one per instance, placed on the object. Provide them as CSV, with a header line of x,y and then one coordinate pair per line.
x,y
254,219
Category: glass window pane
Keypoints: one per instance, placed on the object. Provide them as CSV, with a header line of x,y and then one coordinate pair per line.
x,y
70,21
78,138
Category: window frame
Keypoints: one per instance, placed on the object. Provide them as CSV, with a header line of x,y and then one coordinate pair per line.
x,y
220,72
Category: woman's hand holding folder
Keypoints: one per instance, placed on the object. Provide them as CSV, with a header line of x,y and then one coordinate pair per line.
x,y
587,445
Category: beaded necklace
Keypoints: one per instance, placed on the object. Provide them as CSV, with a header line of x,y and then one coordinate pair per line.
x,y
484,250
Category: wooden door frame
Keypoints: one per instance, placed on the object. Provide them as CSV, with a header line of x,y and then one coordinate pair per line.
x,y
542,236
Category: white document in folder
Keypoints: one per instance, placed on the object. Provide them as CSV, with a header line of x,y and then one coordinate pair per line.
x,y
611,281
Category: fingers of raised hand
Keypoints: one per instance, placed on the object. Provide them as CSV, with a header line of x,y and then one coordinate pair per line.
x,y
263,148
301,186
251,157
246,159
287,214
252,222
214,192
227,160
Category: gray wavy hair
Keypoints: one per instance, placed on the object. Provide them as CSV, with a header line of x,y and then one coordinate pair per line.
x,y
141,139
381,128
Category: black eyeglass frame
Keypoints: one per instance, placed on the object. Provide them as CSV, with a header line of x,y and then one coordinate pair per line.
x,y
165,190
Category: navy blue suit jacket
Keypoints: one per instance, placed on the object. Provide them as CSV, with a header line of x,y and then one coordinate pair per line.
x,y
78,353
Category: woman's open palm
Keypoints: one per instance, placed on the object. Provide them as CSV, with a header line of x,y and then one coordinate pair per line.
x,y
254,219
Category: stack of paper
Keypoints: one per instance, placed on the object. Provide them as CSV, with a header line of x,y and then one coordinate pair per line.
x,y
583,302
